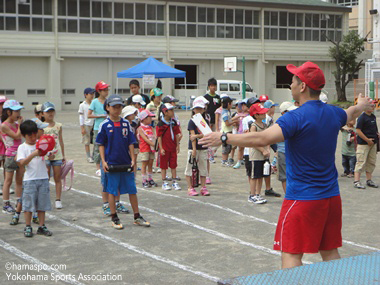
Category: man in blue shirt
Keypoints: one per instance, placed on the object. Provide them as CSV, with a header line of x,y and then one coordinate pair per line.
x,y
311,216
116,139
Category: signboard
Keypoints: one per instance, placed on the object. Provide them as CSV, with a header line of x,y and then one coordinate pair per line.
x,y
148,80
201,124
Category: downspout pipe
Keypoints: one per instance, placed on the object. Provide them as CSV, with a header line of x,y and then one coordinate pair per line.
x,y
262,37
167,34
57,57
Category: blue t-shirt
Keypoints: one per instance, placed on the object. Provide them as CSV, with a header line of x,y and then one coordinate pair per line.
x,y
116,138
311,134
98,109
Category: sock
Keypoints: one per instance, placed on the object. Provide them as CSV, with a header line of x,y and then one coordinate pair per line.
x,y
88,154
57,199
114,217
150,176
105,204
136,215
143,177
18,214
117,203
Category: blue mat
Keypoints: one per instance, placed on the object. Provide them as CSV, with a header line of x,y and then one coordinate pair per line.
x,y
355,270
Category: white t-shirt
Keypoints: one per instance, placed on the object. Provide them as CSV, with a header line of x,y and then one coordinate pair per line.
x,y
36,169
83,110
245,124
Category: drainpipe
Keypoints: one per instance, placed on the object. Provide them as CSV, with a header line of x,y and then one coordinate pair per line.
x,y
167,34
57,57
262,37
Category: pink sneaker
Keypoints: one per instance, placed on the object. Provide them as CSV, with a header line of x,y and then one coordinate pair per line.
x,y
192,192
208,180
204,191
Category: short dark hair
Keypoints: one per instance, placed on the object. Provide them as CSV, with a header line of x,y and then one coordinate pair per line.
x,y
212,81
225,103
134,82
28,128
313,92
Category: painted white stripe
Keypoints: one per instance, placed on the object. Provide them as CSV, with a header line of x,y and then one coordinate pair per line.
x,y
283,222
136,249
33,260
231,211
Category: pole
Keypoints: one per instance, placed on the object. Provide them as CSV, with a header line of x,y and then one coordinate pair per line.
x,y
244,83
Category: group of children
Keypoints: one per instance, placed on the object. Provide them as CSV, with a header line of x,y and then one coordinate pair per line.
x,y
29,165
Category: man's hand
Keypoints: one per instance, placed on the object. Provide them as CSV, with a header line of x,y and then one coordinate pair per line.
x,y
211,139
365,103
105,166
370,142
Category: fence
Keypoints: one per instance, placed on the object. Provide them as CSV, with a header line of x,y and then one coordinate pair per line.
x,y
360,88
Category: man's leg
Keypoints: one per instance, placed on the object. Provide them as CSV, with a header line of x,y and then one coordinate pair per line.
x,y
328,255
290,260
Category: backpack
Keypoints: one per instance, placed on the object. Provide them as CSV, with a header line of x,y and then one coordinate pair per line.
x,y
65,169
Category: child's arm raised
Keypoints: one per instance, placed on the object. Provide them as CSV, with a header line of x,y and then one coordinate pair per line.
x,y
6,130
62,144
28,159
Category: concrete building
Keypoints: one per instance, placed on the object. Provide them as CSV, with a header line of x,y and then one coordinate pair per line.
x,y
53,49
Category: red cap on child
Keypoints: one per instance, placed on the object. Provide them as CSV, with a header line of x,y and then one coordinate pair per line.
x,y
257,109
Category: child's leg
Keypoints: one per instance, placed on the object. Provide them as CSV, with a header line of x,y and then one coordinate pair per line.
x,y
345,164
28,218
188,181
41,217
203,181
57,181
144,165
259,184
19,175
134,203
352,162
174,173
150,166
233,152
163,174
208,168
241,153
284,186
104,196
112,203
267,183
252,185
7,184
87,149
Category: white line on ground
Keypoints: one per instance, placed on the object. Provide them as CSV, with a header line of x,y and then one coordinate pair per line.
x,y
231,211
136,249
31,259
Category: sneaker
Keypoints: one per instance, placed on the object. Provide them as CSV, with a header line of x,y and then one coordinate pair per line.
x,y
121,209
11,191
152,183
192,192
176,186
350,175
140,221
260,199
1,191
225,163
8,209
208,180
117,224
28,231
90,160
168,178
98,173
146,184
257,199
158,170
358,185
166,186
44,231
178,178
35,219
270,192
372,184
343,175
154,170
212,160
15,219
58,204
237,165
106,210
242,163
204,191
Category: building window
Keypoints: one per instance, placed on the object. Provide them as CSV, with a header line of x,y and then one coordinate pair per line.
x,y
36,91
68,92
283,77
122,91
7,92
349,3
191,77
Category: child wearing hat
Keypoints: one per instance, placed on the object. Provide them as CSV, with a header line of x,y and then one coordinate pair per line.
x,y
86,124
155,101
130,113
116,139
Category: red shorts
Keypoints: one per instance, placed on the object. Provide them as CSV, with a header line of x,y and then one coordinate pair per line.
x,y
168,160
309,226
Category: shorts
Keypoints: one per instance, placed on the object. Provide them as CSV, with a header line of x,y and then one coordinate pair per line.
x,y
86,138
136,151
281,166
96,154
258,169
201,157
248,166
309,226
226,149
10,164
36,195
54,162
146,156
117,183
365,158
2,157
168,160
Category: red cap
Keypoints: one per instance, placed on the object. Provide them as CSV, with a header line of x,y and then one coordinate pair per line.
x,y
263,98
257,109
310,73
101,85
45,144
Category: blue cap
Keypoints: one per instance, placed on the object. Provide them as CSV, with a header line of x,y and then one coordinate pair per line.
x,y
40,125
89,90
47,106
114,100
13,105
269,104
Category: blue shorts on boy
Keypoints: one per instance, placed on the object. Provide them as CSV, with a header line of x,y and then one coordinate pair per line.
x,y
36,192
116,137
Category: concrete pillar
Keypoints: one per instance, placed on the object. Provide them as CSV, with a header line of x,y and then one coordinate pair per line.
x,y
259,78
168,83
362,18
54,83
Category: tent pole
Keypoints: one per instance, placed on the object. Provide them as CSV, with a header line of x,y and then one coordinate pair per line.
x,y
186,93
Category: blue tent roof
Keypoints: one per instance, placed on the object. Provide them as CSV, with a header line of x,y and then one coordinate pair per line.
x,y
151,66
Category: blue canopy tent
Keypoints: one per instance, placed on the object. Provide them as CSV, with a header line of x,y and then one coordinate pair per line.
x,y
151,66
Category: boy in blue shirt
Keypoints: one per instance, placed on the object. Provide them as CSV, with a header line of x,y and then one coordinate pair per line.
x,y
116,139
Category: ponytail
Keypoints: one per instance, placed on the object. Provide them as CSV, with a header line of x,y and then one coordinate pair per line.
x,y
4,115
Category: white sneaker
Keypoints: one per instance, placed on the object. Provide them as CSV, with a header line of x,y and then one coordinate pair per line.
x,y
176,186
98,173
1,191
11,191
260,200
90,160
166,186
58,204
158,170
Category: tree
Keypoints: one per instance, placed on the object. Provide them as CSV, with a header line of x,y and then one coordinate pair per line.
x,y
345,54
